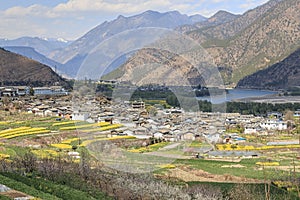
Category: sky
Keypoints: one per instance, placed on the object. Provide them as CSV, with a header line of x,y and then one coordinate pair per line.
x,y
70,19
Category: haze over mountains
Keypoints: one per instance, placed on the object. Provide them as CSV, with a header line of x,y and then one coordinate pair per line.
x,y
42,45
239,44
73,55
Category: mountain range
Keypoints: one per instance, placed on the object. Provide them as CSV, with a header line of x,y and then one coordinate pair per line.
x,y
244,44
42,45
74,54
240,45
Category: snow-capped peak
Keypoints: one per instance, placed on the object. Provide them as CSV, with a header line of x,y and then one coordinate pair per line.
x,y
62,40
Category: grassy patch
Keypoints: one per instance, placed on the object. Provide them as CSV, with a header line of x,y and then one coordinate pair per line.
x,y
196,144
56,190
250,169
2,197
150,148
16,185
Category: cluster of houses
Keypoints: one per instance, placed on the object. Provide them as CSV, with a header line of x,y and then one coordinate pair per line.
x,y
253,124
174,124
143,122
14,91
17,91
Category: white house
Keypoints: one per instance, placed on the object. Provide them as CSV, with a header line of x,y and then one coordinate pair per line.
x,y
188,136
80,116
54,90
297,113
158,135
274,125
250,130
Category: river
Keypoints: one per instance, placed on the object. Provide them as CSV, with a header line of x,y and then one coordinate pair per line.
x,y
234,94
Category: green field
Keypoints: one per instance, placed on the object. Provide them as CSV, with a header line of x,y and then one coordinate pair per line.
x,y
250,170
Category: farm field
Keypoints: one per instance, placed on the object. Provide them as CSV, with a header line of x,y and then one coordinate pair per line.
x,y
71,141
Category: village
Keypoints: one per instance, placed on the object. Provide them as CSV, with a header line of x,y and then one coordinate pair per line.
x,y
52,122
144,121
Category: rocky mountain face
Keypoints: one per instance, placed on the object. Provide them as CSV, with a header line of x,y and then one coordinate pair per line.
x,y
73,55
18,70
253,41
233,27
148,66
43,46
282,75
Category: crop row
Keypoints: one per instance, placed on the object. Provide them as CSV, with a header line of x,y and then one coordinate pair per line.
x,y
67,144
267,163
149,148
45,153
14,130
87,142
62,146
65,123
22,131
103,128
4,156
100,124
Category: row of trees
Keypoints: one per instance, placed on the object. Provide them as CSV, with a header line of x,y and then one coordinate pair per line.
x,y
234,107
260,108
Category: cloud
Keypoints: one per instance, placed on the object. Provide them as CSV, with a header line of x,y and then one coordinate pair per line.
x,y
252,3
111,6
75,17
24,26
219,1
33,10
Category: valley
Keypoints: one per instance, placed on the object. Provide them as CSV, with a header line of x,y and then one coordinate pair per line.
x,y
150,102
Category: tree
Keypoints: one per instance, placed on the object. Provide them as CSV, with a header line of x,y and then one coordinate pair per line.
x,y
31,91
152,111
289,115
172,100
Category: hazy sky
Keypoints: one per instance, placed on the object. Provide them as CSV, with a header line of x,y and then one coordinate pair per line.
x,y
70,19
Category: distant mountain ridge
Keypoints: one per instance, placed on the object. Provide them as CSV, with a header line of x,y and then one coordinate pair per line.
x,y
19,70
42,45
221,17
282,75
233,27
73,55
